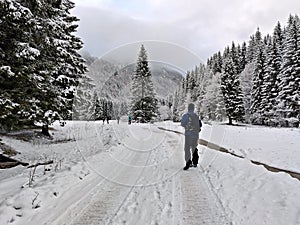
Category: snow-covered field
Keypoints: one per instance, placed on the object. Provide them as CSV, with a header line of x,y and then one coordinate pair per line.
x,y
119,174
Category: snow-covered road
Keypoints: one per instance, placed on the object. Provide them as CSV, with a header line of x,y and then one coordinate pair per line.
x,y
142,183
132,174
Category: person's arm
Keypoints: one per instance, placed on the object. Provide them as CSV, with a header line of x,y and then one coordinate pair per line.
x,y
184,120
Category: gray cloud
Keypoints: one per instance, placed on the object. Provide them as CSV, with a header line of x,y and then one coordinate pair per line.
x,y
204,26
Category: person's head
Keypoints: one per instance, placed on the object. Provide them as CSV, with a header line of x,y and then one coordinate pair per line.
x,y
191,107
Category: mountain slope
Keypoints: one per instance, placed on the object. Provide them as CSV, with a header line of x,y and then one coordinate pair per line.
x,y
113,81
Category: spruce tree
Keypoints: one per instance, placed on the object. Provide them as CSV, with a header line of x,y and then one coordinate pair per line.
x,y
213,105
230,86
289,95
254,42
60,47
278,37
257,94
242,59
246,79
98,110
84,100
270,87
175,111
22,85
143,102
41,66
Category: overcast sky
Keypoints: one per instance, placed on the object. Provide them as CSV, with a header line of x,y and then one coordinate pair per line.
x,y
201,27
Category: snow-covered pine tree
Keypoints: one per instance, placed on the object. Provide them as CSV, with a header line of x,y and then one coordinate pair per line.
x,y
84,100
59,57
10,49
103,109
143,102
43,58
289,95
98,110
182,98
193,85
257,95
270,87
230,86
242,59
24,87
257,107
246,79
123,109
187,81
278,37
215,63
110,110
175,111
220,112
250,49
213,105
254,42
103,103
203,75
67,64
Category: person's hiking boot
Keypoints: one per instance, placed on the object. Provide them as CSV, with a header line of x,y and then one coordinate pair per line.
x,y
187,165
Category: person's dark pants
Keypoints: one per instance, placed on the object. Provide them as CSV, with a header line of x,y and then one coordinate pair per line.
x,y
191,142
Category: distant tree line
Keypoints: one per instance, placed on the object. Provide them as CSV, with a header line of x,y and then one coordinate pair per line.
x,y
88,106
256,83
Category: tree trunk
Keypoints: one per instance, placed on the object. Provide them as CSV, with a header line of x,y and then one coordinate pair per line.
x,y
45,130
230,120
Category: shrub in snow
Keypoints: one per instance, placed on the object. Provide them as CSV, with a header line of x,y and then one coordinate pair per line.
x,y
293,122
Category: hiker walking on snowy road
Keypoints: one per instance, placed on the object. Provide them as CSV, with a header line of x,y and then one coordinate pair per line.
x,y
192,124
129,119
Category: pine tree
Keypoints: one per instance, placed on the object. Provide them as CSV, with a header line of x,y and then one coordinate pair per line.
x,y
213,105
175,111
98,110
230,86
110,110
278,37
257,94
250,49
255,41
23,87
270,87
242,59
246,79
84,100
123,108
204,75
289,95
67,66
41,65
143,102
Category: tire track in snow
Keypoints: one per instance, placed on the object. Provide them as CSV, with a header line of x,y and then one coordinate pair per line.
x,y
200,204
102,207
105,204
157,203
79,209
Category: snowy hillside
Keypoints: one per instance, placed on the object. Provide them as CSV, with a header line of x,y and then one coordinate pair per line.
x,y
132,174
113,81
